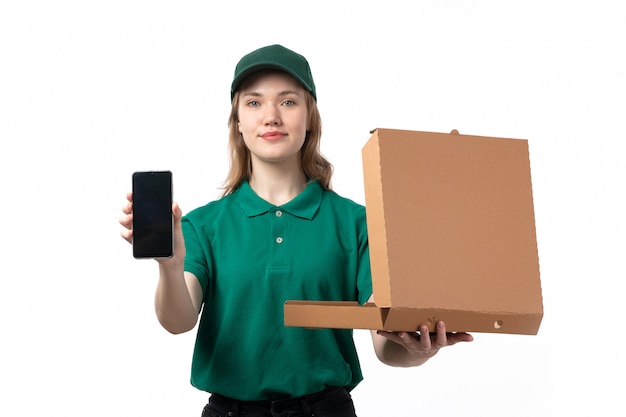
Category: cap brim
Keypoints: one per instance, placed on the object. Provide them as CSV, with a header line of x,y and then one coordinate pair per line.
x,y
262,66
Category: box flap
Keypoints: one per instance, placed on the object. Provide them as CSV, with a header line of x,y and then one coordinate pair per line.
x,y
331,314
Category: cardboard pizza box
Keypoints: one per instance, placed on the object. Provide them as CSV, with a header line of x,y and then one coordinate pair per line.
x,y
452,237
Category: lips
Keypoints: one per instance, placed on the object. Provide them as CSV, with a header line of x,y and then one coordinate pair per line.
x,y
274,135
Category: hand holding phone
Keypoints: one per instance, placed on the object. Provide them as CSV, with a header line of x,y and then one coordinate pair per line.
x,y
153,234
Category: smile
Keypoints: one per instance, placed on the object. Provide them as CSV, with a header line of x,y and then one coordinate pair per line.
x,y
275,135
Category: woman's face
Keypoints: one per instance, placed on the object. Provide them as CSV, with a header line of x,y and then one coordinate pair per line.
x,y
273,117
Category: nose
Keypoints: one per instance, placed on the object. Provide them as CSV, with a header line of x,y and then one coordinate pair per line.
x,y
271,116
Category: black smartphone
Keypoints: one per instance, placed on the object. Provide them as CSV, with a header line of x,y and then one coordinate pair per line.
x,y
153,224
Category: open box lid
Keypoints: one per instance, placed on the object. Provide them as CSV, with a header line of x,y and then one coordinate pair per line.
x,y
452,237
451,222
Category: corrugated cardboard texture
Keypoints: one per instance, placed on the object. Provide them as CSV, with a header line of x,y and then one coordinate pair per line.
x,y
451,222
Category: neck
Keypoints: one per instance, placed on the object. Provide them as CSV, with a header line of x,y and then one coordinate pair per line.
x,y
277,186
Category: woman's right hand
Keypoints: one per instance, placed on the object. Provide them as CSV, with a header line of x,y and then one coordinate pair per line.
x,y
178,297
126,220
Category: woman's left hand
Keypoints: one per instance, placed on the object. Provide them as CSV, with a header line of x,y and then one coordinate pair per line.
x,y
422,345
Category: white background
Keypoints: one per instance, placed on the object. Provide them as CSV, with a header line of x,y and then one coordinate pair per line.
x,y
91,91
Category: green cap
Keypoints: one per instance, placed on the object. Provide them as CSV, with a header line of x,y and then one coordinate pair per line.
x,y
274,57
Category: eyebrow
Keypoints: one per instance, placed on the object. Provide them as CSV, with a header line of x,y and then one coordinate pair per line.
x,y
282,93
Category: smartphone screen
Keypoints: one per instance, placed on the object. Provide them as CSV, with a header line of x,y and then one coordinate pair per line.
x,y
153,235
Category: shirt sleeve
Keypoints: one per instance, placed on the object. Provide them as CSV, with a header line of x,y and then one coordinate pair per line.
x,y
364,273
195,258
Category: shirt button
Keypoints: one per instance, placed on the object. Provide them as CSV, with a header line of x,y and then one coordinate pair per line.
x,y
279,240
279,213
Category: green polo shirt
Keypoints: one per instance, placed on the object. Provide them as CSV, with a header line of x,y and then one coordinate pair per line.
x,y
250,257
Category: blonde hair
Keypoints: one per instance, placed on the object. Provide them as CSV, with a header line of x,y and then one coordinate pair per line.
x,y
314,165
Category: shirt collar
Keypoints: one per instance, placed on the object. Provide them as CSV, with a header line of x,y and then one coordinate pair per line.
x,y
305,204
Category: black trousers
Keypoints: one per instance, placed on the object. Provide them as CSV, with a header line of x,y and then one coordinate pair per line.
x,y
331,402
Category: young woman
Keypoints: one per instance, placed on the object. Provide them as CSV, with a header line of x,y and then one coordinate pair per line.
x,y
279,232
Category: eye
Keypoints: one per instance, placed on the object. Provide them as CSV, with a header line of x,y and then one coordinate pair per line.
x,y
289,102
252,103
